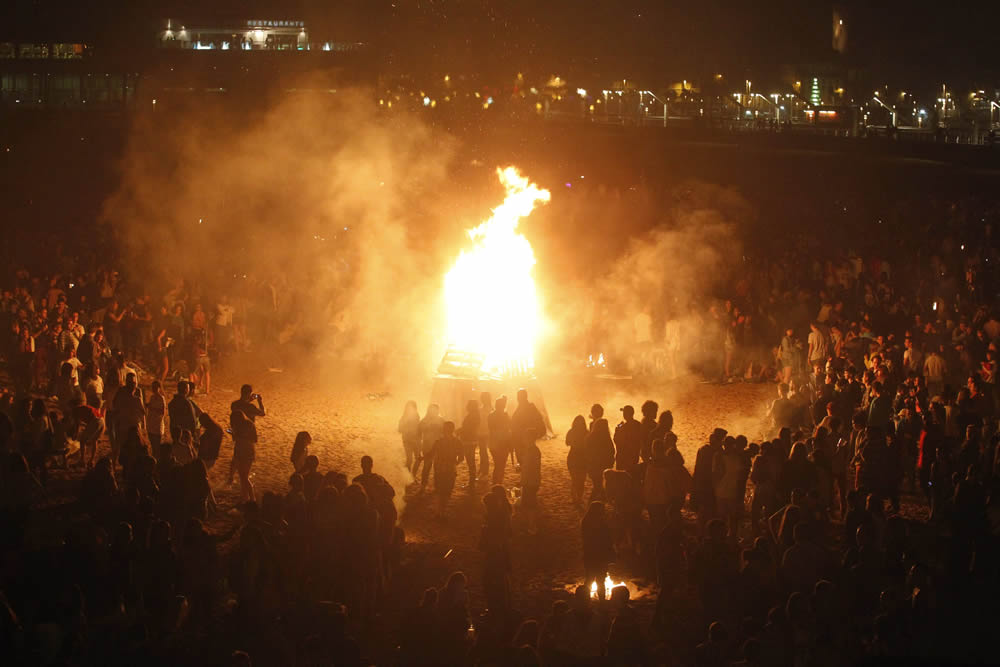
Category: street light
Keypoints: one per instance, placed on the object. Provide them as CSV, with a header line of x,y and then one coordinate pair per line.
x,y
891,110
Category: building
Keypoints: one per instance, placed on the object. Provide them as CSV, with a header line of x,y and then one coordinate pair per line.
x,y
113,64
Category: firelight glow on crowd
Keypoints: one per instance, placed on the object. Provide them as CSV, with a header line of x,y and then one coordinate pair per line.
x,y
856,518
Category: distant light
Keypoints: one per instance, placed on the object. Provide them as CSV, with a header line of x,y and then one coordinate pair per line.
x,y
447,78
569,185
581,175
427,101
489,100
154,100
582,92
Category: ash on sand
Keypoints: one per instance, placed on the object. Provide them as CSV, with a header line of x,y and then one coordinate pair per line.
x,y
346,424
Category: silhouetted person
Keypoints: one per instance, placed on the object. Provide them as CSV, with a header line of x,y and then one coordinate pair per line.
x,y
469,435
494,542
501,438
300,450
445,455
628,440
703,482
409,430
431,430
210,442
649,410
600,451
182,411
526,424
576,458
244,451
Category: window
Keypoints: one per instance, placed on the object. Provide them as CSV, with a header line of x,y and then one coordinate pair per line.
x,y
7,50
67,51
33,51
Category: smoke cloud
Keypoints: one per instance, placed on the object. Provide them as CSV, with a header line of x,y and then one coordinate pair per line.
x,y
316,199
668,257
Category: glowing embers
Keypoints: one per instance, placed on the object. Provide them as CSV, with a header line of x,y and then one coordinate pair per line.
x,y
490,295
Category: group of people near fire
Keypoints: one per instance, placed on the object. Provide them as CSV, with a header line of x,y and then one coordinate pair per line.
x,y
861,520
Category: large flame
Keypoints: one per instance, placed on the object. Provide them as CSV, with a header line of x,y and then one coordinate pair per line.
x,y
493,308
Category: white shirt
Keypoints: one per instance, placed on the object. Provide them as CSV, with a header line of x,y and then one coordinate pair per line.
x,y
818,346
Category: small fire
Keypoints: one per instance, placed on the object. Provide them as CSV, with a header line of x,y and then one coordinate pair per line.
x,y
490,294
608,585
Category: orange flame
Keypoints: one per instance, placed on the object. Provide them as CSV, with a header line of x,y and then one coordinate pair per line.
x,y
493,307
608,586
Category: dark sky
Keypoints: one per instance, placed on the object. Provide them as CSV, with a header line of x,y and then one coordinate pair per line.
x,y
915,40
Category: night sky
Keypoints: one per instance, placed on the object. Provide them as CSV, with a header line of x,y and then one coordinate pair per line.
x,y
913,42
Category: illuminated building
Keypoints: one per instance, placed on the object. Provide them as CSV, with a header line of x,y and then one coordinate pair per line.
x,y
87,67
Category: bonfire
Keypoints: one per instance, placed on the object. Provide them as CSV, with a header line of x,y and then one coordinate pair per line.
x,y
493,306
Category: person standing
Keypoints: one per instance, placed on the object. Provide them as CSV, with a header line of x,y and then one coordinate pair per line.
x,y
935,370
819,345
786,355
526,424
703,492
431,430
628,441
729,469
224,311
129,413
576,458
244,451
210,442
300,450
182,411
469,435
494,542
600,450
483,437
202,362
409,431
655,487
500,438
156,409
678,480
445,455
649,411
531,481
246,406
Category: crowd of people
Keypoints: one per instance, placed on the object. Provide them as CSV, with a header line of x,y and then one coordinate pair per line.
x,y
121,568
862,521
